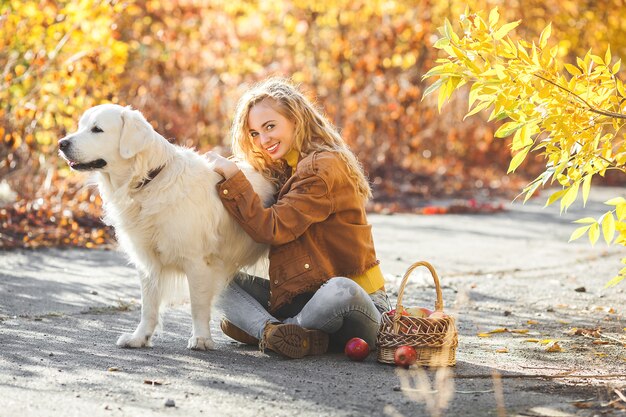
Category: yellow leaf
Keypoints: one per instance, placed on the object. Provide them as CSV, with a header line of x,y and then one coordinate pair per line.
x,y
570,196
594,233
586,187
554,347
578,233
555,196
573,69
532,322
517,160
608,227
586,220
607,56
600,354
520,331
500,330
615,201
502,350
615,68
532,340
508,128
505,29
545,34
494,16
546,341
564,321
484,335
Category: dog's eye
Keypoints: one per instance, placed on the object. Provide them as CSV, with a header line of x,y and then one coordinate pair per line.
x,y
96,129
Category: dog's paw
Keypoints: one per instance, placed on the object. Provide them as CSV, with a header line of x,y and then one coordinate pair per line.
x,y
130,340
200,343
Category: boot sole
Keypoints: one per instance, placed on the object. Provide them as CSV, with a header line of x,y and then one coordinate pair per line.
x,y
295,342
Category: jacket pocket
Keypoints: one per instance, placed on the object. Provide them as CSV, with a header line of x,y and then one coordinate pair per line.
x,y
286,270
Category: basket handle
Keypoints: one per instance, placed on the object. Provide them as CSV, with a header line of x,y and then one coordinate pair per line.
x,y
438,303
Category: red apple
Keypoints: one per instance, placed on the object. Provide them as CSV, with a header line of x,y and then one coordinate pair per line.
x,y
393,312
405,356
357,349
437,315
419,311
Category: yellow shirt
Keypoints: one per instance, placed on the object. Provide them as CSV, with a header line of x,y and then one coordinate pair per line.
x,y
371,280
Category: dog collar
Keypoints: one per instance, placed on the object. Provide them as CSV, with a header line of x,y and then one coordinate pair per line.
x,y
151,175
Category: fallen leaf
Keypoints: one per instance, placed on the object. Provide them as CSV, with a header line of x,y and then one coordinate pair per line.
x,y
113,369
554,347
532,340
532,322
547,341
484,335
500,330
583,404
564,321
502,350
152,382
520,331
600,342
600,354
580,331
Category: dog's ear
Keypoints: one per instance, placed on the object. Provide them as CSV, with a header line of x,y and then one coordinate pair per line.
x,y
136,133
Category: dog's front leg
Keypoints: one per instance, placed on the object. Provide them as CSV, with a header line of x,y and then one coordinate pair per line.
x,y
204,285
150,305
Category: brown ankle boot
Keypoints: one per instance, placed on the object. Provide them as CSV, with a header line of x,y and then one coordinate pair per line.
x,y
236,333
294,341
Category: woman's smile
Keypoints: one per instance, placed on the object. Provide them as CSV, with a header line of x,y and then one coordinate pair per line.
x,y
270,130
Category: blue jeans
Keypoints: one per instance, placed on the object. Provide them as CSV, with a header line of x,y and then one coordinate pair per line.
x,y
340,308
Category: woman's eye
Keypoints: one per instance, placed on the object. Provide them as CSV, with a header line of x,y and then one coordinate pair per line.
x,y
96,129
270,127
253,134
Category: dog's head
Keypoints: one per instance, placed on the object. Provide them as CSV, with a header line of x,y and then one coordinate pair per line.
x,y
107,135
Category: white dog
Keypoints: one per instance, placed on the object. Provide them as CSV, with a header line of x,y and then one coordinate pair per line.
x,y
162,201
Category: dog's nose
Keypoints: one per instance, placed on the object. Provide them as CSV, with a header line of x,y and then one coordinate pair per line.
x,y
64,144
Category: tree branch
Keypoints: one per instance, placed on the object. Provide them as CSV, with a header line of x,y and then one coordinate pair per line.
x,y
589,106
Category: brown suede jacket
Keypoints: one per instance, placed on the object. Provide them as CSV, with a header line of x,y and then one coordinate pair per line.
x,y
317,229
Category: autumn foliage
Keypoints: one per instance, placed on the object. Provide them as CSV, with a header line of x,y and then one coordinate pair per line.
x,y
184,64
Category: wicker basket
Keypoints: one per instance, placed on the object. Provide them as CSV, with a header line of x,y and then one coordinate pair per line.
x,y
434,339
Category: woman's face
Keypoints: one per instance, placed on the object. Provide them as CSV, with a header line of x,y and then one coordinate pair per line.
x,y
271,132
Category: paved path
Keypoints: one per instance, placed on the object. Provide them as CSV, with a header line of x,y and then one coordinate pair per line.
x,y
62,310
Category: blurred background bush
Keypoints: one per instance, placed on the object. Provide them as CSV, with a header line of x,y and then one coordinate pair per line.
x,y
184,64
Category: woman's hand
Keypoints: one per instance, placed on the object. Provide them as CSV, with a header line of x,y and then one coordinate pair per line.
x,y
223,166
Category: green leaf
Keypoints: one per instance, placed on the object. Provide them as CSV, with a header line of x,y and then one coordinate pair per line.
x,y
579,232
608,227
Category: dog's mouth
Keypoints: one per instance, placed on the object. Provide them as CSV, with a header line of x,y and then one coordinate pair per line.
x,y
87,166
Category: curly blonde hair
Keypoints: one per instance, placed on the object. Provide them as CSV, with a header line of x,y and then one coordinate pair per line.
x,y
312,131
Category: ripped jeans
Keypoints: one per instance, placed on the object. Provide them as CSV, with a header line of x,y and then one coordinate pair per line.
x,y
340,308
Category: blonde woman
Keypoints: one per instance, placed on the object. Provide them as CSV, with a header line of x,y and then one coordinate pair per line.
x,y
324,278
